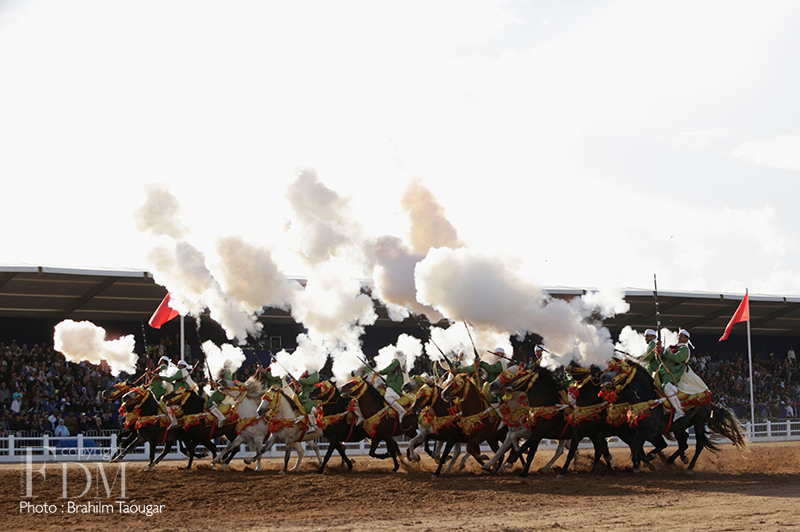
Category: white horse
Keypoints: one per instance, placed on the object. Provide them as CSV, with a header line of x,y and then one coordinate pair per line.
x,y
254,434
287,426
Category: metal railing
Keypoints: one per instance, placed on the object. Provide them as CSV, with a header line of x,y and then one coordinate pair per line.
x,y
101,446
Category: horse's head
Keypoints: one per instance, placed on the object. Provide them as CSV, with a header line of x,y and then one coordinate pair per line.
x,y
135,397
457,387
354,388
323,392
116,391
176,397
269,398
426,394
504,377
415,383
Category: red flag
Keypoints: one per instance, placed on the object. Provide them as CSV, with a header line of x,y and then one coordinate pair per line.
x,y
163,314
742,314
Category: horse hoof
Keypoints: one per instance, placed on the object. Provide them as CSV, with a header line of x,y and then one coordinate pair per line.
x,y
560,475
637,468
684,459
247,461
690,471
282,472
434,476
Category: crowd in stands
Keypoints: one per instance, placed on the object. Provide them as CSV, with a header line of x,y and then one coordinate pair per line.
x,y
776,390
41,392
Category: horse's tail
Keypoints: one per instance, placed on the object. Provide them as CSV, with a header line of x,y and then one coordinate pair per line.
x,y
725,423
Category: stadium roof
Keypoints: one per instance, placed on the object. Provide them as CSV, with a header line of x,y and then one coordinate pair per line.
x,y
122,295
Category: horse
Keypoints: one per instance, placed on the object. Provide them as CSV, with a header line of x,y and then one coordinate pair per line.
x,y
478,421
514,412
249,428
338,423
438,420
381,422
546,417
425,394
287,421
199,426
632,384
126,435
149,421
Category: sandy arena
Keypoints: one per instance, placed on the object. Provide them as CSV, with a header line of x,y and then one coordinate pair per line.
x,y
728,492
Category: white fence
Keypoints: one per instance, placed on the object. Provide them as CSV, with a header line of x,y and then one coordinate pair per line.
x,y
15,448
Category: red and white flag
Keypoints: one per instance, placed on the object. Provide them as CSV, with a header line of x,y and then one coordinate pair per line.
x,y
742,314
163,314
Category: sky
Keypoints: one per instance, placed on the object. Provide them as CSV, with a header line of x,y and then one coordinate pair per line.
x,y
589,144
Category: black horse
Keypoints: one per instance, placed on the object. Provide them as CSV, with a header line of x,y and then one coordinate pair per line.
x,y
654,422
547,417
590,419
153,426
201,430
337,422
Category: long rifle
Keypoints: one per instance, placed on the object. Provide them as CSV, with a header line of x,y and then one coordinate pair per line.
x,y
430,337
658,314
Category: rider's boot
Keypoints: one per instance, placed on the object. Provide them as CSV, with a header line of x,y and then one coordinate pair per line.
x,y
400,410
671,391
220,418
359,415
173,420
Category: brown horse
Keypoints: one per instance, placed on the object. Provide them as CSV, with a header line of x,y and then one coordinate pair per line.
x,y
381,422
478,421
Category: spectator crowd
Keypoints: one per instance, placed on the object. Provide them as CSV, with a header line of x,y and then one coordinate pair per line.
x,y
41,392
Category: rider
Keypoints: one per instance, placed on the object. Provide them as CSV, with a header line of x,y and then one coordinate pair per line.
x,y
650,358
395,378
157,387
307,382
671,368
179,380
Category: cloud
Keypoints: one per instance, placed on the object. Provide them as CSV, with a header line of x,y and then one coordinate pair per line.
x,y
780,152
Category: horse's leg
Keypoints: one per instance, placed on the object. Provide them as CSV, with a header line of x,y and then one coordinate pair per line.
x,y
286,456
332,444
374,446
437,450
131,446
682,437
456,453
447,448
228,453
464,459
394,452
488,466
414,443
573,448
530,446
559,451
298,447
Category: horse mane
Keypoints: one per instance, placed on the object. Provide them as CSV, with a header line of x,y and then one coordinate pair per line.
x,y
254,387
546,376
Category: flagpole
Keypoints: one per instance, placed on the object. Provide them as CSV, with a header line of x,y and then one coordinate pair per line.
x,y
750,360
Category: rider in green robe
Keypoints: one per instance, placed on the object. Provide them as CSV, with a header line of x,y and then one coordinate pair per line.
x,y
673,364
395,378
650,358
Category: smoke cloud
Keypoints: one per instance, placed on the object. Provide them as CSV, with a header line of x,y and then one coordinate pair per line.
x,y
226,356
83,340
482,290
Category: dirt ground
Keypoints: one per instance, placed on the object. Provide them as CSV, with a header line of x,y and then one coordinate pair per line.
x,y
758,491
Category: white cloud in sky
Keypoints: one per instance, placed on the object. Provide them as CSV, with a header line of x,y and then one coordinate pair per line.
x,y
592,150
780,152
